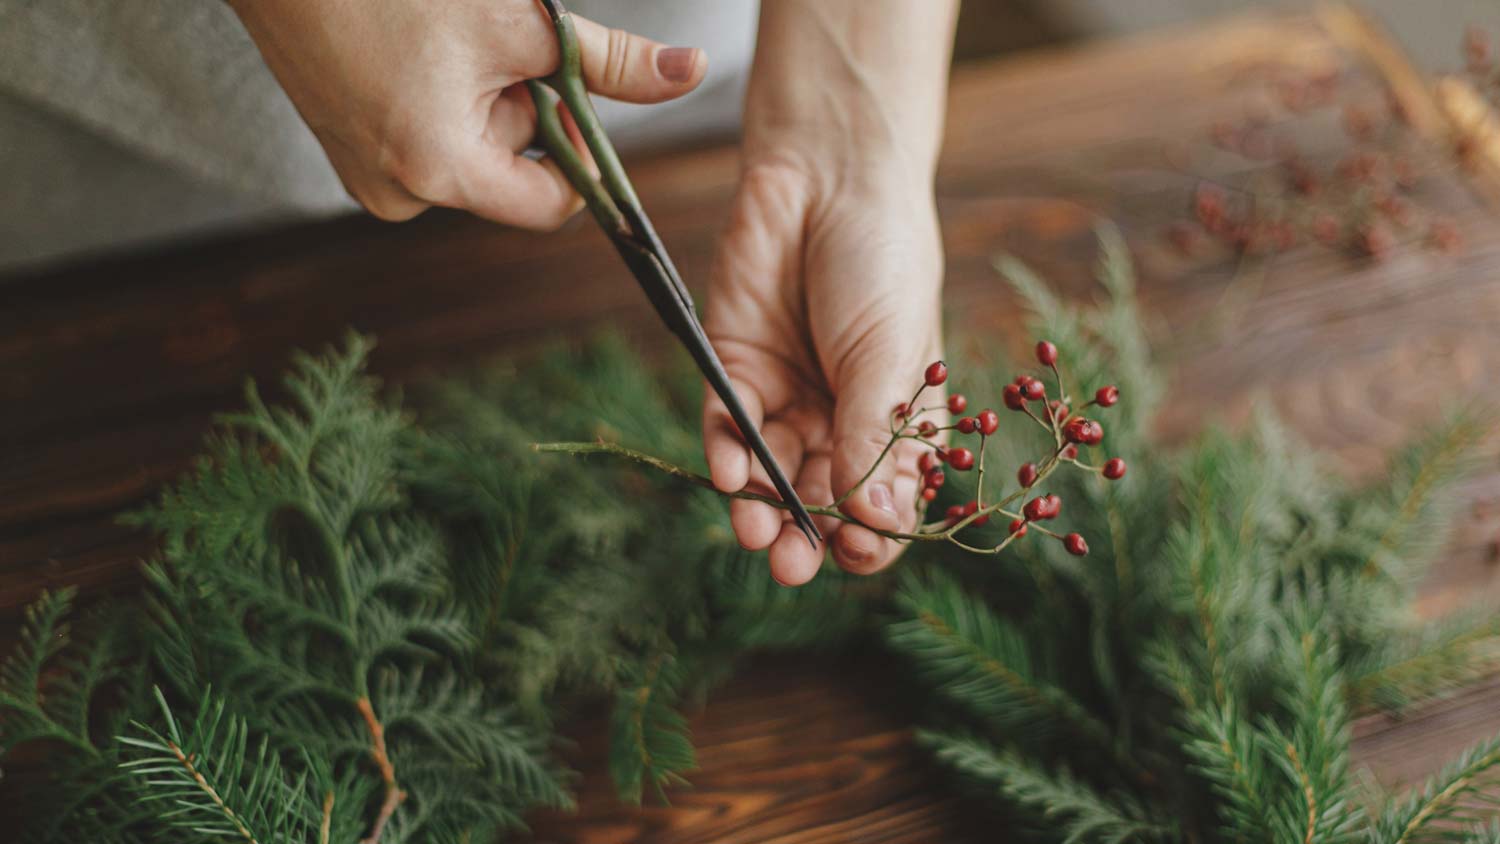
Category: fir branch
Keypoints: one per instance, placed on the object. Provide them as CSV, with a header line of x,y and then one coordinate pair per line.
x,y
980,661
1078,812
649,741
1226,751
1429,813
1420,473
1429,662
26,708
1316,800
221,782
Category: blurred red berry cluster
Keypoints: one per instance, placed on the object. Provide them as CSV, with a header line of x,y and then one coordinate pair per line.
x,y
1362,201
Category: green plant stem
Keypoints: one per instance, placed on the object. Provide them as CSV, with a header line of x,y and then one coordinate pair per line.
x,y
832,511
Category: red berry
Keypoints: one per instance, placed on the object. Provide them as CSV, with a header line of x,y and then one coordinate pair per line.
x,y
970,509
1035,509
902,411
937,373
1026,475
961,459
935,477
1018,527
1012,397
1376,241
941,454
965,425
955,513
927,461
1107,396
1444,236
1075,545
1054,506
1114,468
957,403
1326,230
1033,389
927,428
1058,410
1069,452
929,493
1393,207
988,421
1046,353
1083,431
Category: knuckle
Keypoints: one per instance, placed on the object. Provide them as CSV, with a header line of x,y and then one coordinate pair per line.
x,y
617,62
418,171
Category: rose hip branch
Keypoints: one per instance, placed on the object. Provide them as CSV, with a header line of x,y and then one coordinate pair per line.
x,y
1025,506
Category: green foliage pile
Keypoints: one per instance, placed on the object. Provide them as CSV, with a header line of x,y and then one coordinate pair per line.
x,y
365,627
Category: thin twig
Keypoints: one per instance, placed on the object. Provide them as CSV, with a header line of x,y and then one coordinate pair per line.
x,y
327,825
946,534
394,795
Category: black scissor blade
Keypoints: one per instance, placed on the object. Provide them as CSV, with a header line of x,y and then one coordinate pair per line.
x,y
663,292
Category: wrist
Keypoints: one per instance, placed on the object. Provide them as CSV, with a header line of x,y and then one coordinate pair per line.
x,y
851,88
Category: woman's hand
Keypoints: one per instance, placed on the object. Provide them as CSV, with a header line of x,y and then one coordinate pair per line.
x,y
420,104
825,298
825,310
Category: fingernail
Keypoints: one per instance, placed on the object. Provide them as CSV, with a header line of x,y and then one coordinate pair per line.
x,y
880,496
675,64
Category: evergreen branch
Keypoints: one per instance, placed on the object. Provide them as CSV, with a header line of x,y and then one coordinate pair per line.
x,y
25,715
1428,665
1225,749
1055,797
1441,800
218,784
980,661
1437,464
649,742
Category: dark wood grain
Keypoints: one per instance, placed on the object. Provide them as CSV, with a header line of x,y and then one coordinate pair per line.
x,y
110,372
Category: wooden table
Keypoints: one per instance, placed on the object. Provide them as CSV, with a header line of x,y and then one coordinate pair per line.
x,y
109,373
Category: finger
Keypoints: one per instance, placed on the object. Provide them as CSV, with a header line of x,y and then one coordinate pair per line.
x,y
724,448
866,552
756,523
623,66
499,185
512,121
793,561
875,376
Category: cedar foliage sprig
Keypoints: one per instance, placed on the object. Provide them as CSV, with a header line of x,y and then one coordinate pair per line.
x,y
363,627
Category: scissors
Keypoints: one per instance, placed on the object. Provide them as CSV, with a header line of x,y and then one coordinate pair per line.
x,y
613,203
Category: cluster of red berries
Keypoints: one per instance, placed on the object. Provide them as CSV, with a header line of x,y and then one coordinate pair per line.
x,y
1026,395
1361,202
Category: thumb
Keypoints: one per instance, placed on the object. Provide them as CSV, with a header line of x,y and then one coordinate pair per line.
x,y
623,66
880,373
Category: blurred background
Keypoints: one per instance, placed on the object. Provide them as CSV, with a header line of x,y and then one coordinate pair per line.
x,y
127,126
1430,30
